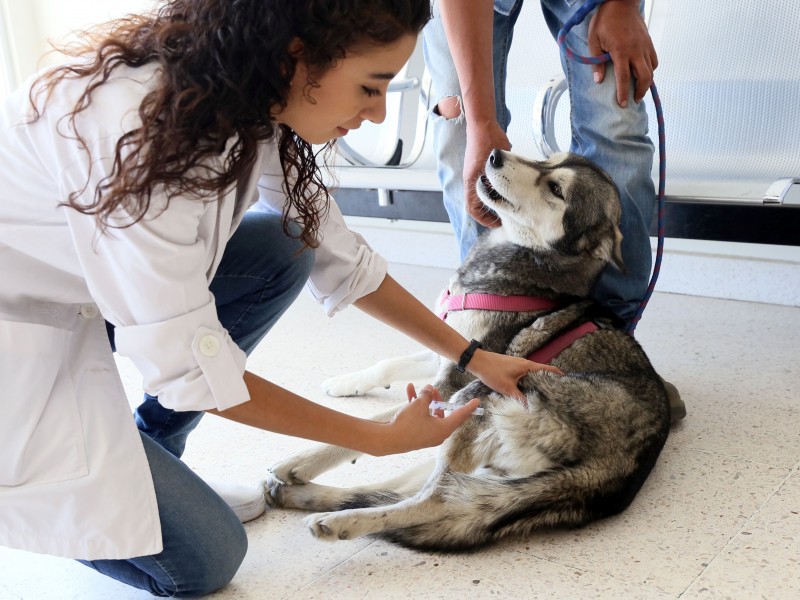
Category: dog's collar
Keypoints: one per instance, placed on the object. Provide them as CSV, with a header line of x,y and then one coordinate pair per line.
x,y
482,301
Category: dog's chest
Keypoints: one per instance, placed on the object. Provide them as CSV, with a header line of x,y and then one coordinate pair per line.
x,y
472,324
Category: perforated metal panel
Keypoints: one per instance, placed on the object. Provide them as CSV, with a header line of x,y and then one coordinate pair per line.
x,y
533,61
729,78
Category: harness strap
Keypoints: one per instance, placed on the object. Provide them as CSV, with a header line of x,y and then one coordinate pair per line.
x,y
557,345
482,301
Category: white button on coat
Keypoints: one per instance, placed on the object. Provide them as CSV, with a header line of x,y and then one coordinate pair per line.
x,y
209,345
89,311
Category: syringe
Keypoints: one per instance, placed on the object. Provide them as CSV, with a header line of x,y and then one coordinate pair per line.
x,y
439,405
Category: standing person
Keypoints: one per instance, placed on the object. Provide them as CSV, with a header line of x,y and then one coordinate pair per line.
x,y
126,181
466,51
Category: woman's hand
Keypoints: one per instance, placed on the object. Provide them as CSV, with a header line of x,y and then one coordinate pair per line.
x,y
502,372
393,305
413,427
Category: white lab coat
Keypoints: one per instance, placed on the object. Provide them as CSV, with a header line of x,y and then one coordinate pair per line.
x,y
74,479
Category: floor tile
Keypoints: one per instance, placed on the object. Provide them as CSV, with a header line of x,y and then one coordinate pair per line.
x,y
763,559
718,518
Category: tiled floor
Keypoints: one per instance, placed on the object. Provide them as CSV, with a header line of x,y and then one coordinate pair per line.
x,y
718,518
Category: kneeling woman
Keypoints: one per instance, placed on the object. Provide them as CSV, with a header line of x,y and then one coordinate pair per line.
x,y
159,195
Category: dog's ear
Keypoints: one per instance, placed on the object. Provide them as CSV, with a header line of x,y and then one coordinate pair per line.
x,y
616,251
611,252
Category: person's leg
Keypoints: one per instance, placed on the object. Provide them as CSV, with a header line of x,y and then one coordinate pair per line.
x,y
260,275
447,119
204,543
616,139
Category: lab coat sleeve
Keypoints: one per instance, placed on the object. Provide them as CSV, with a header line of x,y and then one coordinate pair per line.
x,y
150,280
345,267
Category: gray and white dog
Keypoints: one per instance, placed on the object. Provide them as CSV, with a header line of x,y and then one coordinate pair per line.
x,y
585,442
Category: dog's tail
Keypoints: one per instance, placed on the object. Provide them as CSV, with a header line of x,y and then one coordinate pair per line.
x,y
479,510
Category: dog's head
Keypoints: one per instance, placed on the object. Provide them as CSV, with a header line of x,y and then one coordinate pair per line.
x,y
566,204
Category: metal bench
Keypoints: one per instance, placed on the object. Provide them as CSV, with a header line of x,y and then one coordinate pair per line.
x,y
729,85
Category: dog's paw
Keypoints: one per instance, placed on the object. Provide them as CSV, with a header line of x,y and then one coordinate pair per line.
x,y
274,492
325,527
352,384
292,472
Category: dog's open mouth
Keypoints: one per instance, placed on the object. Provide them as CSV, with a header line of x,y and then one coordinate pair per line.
x,y
492,193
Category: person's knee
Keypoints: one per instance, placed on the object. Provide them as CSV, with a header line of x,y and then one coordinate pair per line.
x,y
280,251
220,568
302,257
304,264
229,565
449,107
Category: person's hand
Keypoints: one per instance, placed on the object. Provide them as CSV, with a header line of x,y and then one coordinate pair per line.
x,y
482,138
502,372
618,28
413,427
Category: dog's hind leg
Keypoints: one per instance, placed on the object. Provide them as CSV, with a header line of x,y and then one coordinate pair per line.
x,y
357,522
443,515
458,511
414,367
317,497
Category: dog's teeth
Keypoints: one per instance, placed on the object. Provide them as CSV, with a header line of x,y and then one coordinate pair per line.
x,y
492,193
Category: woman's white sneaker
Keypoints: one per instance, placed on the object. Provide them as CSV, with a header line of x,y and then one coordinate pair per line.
x,y
246,502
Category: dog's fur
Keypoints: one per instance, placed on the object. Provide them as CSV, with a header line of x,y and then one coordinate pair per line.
x,y
586,441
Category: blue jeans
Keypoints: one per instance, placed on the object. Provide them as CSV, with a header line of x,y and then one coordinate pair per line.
x,y
260,275
614,138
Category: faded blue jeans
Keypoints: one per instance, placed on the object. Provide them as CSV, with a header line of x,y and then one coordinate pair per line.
x,y
260,275
614,138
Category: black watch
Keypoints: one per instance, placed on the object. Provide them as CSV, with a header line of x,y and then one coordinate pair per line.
x,y
467,355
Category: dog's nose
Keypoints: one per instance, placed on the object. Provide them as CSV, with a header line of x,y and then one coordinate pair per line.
x,y
496,158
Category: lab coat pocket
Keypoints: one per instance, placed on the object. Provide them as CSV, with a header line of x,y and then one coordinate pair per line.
x,y
41,438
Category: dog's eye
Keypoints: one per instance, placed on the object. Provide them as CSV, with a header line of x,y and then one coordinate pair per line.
x,y
555,189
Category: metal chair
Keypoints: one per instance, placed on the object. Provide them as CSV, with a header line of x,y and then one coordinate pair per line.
x,y
730,87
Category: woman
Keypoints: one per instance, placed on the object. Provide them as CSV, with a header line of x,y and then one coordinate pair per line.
x,y
127,178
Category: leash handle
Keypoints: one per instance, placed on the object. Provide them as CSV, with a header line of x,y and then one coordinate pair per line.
x,y
576,18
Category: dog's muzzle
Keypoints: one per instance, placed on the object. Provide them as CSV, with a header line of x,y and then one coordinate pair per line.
x,y
492,193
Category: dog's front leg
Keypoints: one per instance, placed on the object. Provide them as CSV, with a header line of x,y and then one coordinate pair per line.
x,y
415,367
305,466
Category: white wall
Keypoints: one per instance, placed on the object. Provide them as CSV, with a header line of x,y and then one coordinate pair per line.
x,y
32,24
20,39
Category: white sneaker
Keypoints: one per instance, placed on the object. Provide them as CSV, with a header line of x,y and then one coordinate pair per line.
x,y
246,502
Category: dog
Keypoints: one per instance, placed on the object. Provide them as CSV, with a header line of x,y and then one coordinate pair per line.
x,y
585,442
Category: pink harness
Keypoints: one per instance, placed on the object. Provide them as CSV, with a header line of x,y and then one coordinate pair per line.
x,y
482,301
558,344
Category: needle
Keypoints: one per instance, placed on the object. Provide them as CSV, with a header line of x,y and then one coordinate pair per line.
x,y
438,405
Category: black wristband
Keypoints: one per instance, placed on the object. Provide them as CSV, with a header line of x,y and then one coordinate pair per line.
x,y
467,355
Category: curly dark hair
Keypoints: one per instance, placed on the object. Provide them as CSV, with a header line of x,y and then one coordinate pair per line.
x,y
225,65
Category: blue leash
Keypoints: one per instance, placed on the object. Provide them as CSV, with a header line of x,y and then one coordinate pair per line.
x,y
578,17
